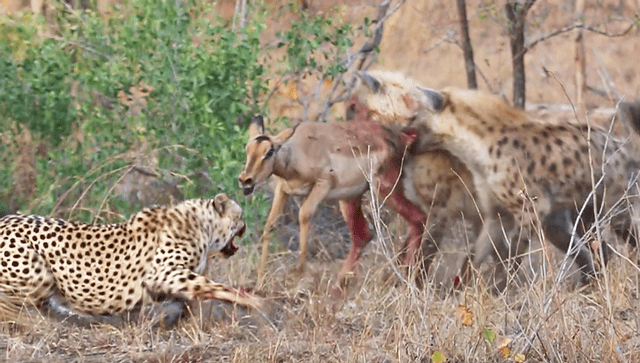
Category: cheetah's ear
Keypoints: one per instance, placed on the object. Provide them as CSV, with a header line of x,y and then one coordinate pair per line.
x,y
220,202
256,126
370,81
434,99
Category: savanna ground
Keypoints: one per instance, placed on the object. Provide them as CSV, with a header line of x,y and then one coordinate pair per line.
x,y
382,318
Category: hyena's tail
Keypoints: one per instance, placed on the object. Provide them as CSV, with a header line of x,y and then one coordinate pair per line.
x,y
630,114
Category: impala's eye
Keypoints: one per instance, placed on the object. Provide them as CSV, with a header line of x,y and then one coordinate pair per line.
x,y
269,153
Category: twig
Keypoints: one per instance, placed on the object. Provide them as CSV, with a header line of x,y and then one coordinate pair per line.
x,y
607,82
576,26
73,12
364,52
85,47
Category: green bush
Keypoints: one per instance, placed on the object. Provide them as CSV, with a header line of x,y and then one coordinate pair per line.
x,y
157,80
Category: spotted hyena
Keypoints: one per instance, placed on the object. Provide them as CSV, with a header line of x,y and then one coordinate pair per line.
x,y
533,173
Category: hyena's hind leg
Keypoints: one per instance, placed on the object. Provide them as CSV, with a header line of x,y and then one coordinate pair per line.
x,y
561,230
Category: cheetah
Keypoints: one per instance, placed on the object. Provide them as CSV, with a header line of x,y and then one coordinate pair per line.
x,y
435,180
159,253
528,172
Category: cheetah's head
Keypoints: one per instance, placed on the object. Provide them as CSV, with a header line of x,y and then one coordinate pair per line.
x,y
231,225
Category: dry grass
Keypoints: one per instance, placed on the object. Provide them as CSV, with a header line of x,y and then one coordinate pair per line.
x,y
380,319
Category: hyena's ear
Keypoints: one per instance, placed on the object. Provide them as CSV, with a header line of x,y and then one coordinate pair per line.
x,y
434,99
370,81
256,126
220,202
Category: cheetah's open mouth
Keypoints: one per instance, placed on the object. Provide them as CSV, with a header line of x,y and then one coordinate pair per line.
x,y
230,249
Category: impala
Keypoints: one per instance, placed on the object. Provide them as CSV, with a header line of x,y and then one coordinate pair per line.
x,y
331,161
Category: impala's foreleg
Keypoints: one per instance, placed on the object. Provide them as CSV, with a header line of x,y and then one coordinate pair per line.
x,y
279,198
307,210
354,217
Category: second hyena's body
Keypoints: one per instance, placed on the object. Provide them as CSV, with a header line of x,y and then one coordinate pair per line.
x,y
526,171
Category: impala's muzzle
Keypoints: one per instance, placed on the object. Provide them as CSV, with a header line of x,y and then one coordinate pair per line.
x,y
246,185
247,190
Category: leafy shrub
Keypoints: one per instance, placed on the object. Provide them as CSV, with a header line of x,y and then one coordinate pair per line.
x,y
158,83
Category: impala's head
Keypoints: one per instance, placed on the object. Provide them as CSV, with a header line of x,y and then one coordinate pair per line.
x,y
261,152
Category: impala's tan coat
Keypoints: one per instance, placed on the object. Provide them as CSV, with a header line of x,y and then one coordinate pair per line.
x,y
330,161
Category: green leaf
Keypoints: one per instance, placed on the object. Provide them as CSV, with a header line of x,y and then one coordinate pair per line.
x,y
437,357
489,335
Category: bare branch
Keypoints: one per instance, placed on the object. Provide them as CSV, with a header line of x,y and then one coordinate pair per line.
x,y
470,65
365,53
527,5
607,82
437,44
73,11
599,92
79,45
577,26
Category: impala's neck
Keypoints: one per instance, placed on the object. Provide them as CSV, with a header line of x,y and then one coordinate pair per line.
x,y
282,162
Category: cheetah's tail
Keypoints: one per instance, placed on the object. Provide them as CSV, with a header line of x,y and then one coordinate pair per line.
x,y
241,296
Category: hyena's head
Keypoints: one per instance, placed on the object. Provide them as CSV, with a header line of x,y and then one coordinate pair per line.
x,y
453,115
383,96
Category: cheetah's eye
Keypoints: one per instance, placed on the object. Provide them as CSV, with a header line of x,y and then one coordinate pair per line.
x,y
269,153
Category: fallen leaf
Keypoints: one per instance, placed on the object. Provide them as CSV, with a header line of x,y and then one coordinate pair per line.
x,y
504,352
465,315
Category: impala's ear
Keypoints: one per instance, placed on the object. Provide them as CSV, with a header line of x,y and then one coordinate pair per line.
x,y
220,202
370,81
284,135
434,99
256,126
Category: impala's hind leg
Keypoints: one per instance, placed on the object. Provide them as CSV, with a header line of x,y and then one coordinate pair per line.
x,y
354,217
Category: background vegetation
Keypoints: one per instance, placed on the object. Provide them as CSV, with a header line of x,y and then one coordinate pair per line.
x,y
155,89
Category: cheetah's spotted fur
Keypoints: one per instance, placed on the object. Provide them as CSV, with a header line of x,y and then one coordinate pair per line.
x,y
108,269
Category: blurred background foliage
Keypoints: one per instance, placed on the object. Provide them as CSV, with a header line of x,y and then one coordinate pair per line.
x,y
103,115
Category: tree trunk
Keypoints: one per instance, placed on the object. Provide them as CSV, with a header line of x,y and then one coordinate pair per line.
x,y
517,16
580,66
470,65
